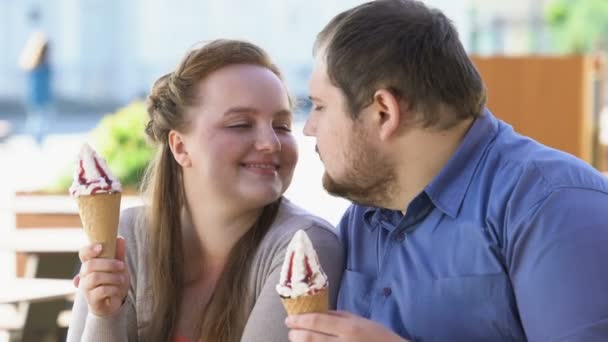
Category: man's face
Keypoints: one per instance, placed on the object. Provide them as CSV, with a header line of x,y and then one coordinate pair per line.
x,y
354,166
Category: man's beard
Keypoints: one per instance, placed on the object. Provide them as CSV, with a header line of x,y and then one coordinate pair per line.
x,y
369,178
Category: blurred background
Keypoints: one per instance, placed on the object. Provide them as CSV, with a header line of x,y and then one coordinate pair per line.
x,y
542,60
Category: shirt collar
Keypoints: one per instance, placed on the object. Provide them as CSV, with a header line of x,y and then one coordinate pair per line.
x,y
385,218
390,219
448,188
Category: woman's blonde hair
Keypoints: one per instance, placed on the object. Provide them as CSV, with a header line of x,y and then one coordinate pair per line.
x,y
225,315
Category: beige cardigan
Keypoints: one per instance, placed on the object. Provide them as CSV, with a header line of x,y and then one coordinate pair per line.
x,y
266,321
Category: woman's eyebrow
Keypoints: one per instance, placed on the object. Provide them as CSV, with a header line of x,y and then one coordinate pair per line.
x,y
240,110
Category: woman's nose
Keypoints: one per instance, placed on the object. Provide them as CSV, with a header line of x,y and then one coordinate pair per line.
x,y
268,141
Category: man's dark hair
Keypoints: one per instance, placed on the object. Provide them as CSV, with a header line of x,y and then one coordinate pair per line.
x,y
407,48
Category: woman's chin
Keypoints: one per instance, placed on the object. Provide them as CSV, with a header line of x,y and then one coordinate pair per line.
x,y
261,197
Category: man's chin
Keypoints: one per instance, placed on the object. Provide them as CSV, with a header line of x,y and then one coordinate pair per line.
x,y
342,190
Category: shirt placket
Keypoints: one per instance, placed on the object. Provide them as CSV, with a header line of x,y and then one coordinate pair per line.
x,y
392,235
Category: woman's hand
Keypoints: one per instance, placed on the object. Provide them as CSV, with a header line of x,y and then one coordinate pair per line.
x,y
105,282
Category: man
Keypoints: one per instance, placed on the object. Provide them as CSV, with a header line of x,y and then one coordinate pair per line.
x,y
461,229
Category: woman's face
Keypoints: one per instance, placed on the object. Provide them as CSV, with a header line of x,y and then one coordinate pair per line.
x,y
239,145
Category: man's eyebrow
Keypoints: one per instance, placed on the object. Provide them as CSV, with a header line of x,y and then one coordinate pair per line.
x,y
314,98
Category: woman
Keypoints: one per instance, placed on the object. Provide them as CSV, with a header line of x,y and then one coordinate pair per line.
x,y
202,260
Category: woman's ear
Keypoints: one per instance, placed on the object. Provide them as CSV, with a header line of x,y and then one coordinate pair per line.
x,y
388,113
178,148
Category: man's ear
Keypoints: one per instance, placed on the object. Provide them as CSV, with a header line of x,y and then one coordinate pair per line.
x,y
178,148
388,113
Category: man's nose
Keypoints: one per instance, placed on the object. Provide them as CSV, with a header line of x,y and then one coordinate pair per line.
x,y
310,127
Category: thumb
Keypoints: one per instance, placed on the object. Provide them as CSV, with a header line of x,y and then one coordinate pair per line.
x,y
76,281
121,247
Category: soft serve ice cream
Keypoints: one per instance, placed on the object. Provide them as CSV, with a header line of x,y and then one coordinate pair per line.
x,y
98,193
303,284
92,176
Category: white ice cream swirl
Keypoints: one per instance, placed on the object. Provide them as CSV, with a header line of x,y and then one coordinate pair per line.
x,y
301,273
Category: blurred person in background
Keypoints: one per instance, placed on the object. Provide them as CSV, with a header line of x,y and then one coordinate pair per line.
x,y
201,261
461,229
34,60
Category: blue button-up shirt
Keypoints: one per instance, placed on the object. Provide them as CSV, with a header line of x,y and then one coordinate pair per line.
x,y
508,243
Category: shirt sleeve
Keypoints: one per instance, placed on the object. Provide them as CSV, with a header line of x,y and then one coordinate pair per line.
x,y
267,319
558,263
122,326
86,326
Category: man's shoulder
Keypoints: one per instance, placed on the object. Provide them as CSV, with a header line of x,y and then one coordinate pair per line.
x,y
523,163
520,175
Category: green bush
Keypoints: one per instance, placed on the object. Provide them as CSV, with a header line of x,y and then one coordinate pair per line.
x,y
578,26
120,139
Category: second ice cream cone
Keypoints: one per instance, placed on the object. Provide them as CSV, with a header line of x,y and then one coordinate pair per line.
x,y
317,302
99,215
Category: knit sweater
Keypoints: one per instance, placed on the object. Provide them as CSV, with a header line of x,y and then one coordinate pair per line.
x,y
266,321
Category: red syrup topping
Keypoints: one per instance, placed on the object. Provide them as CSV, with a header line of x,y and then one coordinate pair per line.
x,y
290,270
308,275
103,174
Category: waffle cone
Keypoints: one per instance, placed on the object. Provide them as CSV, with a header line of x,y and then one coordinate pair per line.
x,y
317,302
99,215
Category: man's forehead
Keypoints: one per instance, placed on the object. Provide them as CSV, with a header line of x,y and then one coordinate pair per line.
x,y
320,54
319,68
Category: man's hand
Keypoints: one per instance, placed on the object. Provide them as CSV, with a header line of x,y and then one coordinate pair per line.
x,y
337,326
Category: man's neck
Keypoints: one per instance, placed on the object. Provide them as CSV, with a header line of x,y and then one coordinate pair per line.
x,y
423,153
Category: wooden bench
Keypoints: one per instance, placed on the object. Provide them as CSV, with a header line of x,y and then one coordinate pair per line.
x,y
30,307
51,256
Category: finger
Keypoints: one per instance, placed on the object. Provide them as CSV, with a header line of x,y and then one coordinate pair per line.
x,y
121,248
101,265
99,279
89,252
76,281
309,336
317,322
343,314
101,294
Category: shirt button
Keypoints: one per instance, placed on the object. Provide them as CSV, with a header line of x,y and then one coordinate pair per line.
x,y
400,237
387,291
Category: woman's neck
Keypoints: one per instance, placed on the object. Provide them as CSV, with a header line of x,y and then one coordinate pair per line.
x,y
210,233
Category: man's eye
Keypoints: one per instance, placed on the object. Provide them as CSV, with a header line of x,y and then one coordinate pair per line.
x,y
318,108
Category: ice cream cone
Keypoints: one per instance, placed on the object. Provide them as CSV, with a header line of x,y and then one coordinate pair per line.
x,y
317,302
99,215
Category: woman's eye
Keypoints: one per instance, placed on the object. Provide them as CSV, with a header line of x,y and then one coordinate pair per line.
x,y
285,128
240,125
317,108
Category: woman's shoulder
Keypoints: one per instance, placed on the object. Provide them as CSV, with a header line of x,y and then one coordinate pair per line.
x,y
292,218
133,228
132,222
296,217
